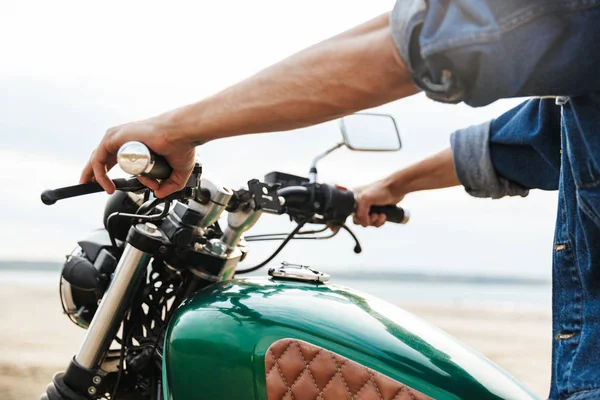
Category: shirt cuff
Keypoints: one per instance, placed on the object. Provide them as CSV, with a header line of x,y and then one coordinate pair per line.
x,y
406,21
473,164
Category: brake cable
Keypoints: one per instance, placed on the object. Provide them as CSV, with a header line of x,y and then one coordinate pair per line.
x,y
275,238
272,256
280,236
146,207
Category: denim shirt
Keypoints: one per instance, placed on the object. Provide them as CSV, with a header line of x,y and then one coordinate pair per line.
x,y
478,51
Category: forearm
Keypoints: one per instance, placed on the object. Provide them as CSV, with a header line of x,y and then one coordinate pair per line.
x,y
353,71
435,172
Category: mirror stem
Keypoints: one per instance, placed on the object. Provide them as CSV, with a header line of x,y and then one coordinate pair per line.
x,y
312,175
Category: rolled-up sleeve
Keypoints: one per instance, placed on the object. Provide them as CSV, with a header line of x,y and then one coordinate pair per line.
x,y
512,154
474,168
478,51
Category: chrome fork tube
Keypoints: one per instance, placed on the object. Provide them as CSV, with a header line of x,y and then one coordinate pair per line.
x,y
112,308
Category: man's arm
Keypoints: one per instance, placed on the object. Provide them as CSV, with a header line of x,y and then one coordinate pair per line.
x,y
516,152
355,70
479,51
358,69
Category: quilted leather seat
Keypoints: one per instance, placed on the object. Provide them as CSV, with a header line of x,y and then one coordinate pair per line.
x,y
297,370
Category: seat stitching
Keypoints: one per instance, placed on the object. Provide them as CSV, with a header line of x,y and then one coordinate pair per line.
x,y
362,388
339,368
277,358
308,365
338,372
328,383
274,361
398,393
410,392
289,389
367,383
372,379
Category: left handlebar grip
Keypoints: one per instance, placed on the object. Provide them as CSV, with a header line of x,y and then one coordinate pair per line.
x,y
137,159
50,197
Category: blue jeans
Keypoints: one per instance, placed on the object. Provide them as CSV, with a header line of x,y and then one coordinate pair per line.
x,y
478,51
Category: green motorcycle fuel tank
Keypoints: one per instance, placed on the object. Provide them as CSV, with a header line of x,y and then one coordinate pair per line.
x,y
216,343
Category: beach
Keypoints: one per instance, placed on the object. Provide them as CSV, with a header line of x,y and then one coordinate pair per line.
x,y
36,340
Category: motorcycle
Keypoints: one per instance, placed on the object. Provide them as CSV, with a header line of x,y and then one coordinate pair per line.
x,y
168,317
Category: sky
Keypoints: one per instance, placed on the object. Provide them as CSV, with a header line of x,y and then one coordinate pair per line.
x,y
69,70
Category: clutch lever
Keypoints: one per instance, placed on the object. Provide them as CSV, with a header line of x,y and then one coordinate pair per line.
x,y
51,196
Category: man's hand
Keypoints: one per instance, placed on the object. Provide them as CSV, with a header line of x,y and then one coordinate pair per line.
x,y
435,172
159,136
375,194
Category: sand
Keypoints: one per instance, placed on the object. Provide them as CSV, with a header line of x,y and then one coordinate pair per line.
x,y
36,340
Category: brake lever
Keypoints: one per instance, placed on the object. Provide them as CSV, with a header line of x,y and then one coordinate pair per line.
x,y
51,196
357,247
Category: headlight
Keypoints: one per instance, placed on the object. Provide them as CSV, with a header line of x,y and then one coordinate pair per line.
x,y
82,285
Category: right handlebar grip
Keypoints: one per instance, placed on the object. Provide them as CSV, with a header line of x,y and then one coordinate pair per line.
x,y
393,213
160,169
137,159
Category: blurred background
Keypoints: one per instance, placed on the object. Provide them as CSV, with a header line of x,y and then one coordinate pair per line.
x,y
479,269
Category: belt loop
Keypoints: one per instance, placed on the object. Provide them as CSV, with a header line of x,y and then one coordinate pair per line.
x,y
561,100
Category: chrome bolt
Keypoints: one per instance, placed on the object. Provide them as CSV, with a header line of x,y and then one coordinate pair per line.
x,y
96,380
92,390
150,227
217,247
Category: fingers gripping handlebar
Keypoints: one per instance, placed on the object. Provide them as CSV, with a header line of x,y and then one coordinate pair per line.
x,y
134,158
394,214
137,159
333,203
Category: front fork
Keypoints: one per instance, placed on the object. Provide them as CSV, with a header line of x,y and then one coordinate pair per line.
x,y
112,308
83,378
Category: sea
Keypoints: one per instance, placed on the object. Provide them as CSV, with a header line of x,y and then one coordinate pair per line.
x,y
505,292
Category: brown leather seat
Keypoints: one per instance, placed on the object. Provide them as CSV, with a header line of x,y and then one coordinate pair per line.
x,y
298,370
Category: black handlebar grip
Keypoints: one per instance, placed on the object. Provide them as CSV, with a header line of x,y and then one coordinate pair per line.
x,y
50,197
393,213
137,159
160,168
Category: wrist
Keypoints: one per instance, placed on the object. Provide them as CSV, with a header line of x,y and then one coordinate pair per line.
x,y
182,127
394,185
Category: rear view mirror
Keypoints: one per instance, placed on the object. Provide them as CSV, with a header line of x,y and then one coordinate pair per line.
x,y
370,132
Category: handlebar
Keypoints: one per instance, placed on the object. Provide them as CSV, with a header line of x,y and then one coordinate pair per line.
x,y
137,159
51,196
395,214
334,203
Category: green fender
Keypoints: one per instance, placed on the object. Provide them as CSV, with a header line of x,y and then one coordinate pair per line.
x,y
216,343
